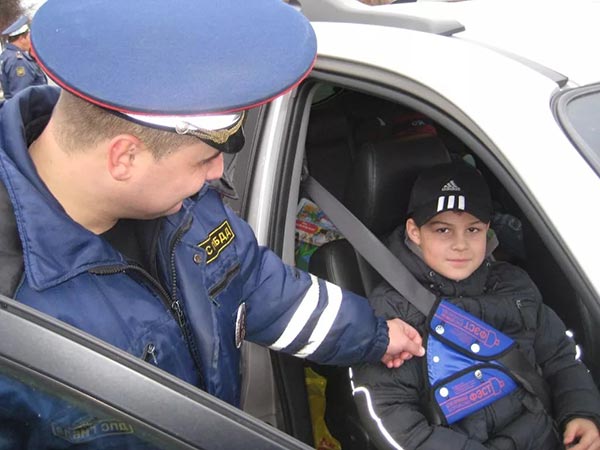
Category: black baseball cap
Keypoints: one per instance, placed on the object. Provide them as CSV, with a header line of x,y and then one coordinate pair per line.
x,y
455,186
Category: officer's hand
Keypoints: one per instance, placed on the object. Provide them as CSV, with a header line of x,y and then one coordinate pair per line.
x,y
581,434
405,342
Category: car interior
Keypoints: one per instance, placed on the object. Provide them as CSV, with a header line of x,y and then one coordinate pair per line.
x,y
367,151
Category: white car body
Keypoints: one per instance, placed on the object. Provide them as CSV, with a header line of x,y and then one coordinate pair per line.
x,y
510,107
505,103
492,84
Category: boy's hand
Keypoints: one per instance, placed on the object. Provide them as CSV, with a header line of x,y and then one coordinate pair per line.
x,y
405,342
581,434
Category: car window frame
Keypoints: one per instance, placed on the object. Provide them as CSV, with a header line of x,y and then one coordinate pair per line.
x,y
395,87
560,106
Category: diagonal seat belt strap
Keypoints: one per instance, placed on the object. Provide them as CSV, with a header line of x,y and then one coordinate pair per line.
x,y
371,248
532,381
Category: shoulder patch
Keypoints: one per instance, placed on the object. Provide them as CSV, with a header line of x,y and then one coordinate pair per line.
x,y
217,240
20,71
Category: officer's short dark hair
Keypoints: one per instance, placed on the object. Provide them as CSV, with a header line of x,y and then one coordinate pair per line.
x,y
81,124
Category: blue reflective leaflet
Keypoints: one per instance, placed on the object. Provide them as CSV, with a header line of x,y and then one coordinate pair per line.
x,y
460,362
472,391
476,337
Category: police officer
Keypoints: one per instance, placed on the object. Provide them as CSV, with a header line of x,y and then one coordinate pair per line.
x,y
121,232
18,69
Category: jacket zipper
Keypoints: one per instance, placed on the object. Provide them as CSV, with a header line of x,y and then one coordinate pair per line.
x,y
176,304
124,268
171,302
149,354
519,304
223,283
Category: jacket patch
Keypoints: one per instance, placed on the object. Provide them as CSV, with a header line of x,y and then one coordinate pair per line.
x,y
90,430
20,70
217,240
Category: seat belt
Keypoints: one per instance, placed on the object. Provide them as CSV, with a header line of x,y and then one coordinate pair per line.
x,y
449,326
371,248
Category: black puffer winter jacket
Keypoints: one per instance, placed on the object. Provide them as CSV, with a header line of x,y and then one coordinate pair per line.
x,y
504,296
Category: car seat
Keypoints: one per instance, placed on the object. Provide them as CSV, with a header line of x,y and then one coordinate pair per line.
x,y
377,192
328,144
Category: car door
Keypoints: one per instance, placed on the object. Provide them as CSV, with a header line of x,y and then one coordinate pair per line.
x,y
118,394
497,108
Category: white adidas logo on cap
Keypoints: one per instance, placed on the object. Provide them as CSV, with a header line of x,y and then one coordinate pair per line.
x,y
450,201
450,186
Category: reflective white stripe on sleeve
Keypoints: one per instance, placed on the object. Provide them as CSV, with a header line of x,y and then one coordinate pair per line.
x,y
303,313
334,295
363,390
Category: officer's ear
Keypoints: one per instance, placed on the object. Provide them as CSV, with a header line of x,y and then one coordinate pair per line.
x,y
413,231
124,156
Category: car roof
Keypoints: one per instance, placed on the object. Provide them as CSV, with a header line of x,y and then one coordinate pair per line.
x,y
553,35
559,35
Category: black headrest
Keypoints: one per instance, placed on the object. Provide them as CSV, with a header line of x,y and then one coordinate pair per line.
x,y
326,126
382,176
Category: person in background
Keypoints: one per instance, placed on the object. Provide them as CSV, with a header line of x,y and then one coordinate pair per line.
x,y
18,69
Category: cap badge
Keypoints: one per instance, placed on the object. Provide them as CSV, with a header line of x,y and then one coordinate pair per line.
x,y
216,136
450,186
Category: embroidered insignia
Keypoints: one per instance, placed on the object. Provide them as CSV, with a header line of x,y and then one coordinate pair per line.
x,y
240,325
19,55
20,70
216,241
90,430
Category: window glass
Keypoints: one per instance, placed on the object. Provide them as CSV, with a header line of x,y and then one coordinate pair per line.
x,y
578,111
584,114
31,418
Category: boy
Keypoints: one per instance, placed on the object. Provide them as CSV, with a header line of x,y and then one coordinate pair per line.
x,y
445,245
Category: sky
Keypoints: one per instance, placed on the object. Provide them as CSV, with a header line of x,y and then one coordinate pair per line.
x,y
33,4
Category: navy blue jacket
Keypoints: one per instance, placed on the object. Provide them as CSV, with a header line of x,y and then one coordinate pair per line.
x,y
180,314
18,70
